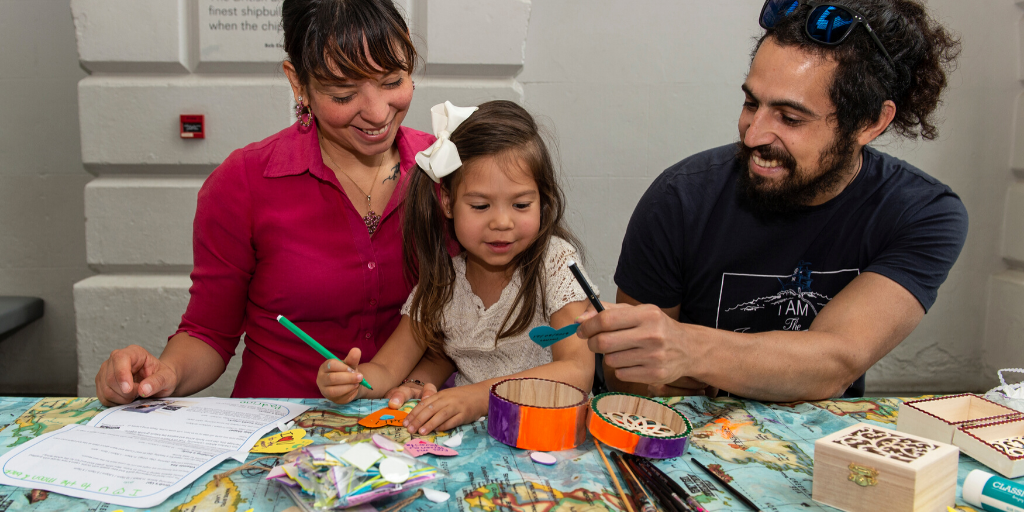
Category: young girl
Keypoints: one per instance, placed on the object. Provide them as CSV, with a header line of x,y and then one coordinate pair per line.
x,y
490,185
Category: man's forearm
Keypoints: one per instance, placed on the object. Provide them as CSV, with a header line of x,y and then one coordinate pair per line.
x,y
780,366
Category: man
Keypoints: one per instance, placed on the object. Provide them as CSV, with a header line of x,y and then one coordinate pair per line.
x,y
783,267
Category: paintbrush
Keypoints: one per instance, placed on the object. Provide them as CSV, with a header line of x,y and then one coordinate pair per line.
x,y
639,494
678,489
659,491
615,480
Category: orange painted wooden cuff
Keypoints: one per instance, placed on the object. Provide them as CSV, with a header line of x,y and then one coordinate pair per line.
x,y
624,422
537,414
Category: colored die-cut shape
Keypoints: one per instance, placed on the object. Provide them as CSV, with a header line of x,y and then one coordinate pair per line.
x,y
417,447
386,444
546,336
282,443
383,418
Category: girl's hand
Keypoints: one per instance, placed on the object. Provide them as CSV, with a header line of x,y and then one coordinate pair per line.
x,y
447,409
397,397
338,381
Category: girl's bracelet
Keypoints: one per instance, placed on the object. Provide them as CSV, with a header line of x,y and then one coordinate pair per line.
x,y
414,381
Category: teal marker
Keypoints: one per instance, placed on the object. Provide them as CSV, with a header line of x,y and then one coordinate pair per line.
x,y
312,343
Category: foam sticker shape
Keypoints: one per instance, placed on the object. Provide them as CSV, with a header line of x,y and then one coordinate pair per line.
x,y
546,336
386,444
278,472
394,470
337,450
436,496
362,456
383,418
282,443
455,440
417,447
544,458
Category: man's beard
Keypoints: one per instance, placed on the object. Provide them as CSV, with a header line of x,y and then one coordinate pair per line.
x,y
796,189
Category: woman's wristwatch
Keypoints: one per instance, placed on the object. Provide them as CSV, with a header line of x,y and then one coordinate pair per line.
x,y
414,381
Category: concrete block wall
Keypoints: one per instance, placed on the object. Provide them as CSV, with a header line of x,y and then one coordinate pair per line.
x,y
1004,322
150,62
625,89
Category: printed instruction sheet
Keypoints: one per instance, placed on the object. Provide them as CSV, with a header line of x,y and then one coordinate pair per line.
x,y
139,454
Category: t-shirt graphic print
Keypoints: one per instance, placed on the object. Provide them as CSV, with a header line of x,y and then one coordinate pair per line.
x,y
759,303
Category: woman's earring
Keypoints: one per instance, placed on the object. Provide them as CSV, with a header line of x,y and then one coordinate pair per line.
x,y
303,111
414,86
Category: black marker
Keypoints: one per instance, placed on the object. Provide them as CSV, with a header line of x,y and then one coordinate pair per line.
x,y
586,286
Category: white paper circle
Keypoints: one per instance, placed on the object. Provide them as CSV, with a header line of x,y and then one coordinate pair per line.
x,y
394,470
544,458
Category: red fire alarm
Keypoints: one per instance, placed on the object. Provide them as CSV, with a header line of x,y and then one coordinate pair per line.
x,y
192,127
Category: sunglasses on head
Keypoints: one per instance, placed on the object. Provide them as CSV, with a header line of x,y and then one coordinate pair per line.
x,y
828,23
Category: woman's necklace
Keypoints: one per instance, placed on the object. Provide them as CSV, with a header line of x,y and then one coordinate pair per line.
x,y
371,219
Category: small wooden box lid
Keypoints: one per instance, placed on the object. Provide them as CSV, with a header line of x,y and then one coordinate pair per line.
x,y
867,468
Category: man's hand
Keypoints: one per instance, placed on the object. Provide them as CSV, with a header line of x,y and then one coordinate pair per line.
x,y
641,343
408,391
133,372
683,387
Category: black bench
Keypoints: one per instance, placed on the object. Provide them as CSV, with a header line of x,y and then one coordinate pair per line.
x,y
17,312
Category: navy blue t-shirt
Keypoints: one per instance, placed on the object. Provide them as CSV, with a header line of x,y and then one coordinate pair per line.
x,y
693,242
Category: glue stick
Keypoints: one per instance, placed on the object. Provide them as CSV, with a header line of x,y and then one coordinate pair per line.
x,y
993,493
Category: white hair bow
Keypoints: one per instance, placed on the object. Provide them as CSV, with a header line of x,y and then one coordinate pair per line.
x,y
442,158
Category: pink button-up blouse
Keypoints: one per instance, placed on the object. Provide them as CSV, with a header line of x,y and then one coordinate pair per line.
x,y
274,234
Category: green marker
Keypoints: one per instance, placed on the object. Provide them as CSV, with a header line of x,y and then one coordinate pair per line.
x,y
312,343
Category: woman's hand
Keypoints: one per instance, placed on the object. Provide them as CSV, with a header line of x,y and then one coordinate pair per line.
x,y
397,397
338,380
133,372
448,409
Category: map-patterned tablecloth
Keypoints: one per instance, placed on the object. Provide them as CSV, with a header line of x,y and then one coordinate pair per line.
x,y
767,449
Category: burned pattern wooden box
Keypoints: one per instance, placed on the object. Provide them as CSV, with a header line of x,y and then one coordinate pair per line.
x,y
938,418
998,445
869,468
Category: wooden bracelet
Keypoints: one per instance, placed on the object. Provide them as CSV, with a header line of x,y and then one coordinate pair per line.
x,y
537,414
638,425
414,381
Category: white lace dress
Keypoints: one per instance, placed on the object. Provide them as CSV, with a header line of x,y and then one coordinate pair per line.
x,y
470,329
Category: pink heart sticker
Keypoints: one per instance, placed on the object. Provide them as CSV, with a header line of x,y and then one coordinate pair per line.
x,y
417,447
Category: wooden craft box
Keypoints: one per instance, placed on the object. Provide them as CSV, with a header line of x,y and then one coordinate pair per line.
x,y
998,445
938,418
868,468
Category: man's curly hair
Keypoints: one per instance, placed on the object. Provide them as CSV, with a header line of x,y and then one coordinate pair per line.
x,y
923,50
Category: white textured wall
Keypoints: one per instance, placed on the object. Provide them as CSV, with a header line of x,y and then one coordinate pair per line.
x,y
42,240
627,89
1004,326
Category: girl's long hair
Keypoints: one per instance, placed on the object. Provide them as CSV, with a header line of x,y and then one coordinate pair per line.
x,y
505,131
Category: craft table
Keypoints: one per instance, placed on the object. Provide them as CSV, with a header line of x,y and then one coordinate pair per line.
x,y
767,449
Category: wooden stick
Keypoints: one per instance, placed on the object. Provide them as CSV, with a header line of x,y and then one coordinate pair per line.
x,y
615,479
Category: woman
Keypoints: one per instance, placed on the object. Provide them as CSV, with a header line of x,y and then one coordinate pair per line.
x,y
306,223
